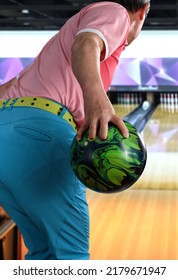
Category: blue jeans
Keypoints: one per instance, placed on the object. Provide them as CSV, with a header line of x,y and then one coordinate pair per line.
x,y
38,188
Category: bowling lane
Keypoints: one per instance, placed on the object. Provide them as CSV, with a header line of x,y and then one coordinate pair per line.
x,y
161,132
134,225
141,222
161,137
124,109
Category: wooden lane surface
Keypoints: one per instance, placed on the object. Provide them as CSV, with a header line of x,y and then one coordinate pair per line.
x,y
161,131
161,138
141,222
134,225
124,109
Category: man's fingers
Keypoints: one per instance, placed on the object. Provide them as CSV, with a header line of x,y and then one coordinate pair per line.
x,y
122,127
103,129
92,130
81,131
103,133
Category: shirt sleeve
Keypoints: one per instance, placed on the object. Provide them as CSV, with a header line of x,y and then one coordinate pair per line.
x,y
109,20
108,67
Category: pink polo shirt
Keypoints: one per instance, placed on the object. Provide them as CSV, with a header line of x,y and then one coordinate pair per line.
x,y
50,74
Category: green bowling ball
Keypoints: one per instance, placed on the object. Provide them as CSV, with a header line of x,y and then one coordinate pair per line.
x,y
111,165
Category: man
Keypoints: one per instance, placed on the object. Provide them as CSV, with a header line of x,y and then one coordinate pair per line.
x,y
62,92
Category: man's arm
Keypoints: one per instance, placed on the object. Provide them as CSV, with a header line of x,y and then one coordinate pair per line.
x,y
5,86
86,53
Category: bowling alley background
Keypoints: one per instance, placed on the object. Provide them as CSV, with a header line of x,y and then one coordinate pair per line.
x,y
141,222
